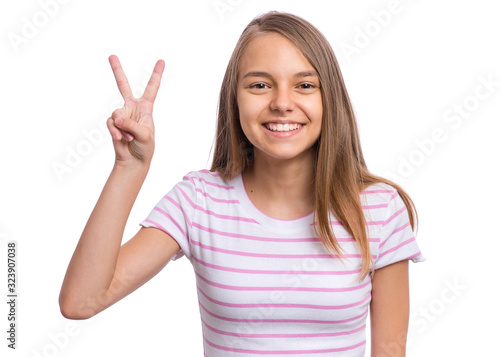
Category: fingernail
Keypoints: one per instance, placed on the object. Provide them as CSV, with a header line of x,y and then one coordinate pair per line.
x,y
119,121
129,137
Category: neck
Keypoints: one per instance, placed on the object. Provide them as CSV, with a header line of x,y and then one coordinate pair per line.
x,y
282,189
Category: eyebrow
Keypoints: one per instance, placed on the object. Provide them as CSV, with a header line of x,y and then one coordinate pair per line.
x,y
267,75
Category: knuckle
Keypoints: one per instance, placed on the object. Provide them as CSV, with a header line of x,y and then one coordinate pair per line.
x,y
127,123
122,82
110,123
149,136
117,113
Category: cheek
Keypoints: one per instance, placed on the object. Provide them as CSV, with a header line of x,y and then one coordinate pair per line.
x,y
249,109
314,110
245,115
318,107
242,105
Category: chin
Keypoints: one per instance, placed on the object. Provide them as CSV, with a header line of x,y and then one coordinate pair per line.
x,y
286,155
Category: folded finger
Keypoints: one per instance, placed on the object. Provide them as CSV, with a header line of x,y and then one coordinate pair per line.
x,y
113,130
117,133
132,129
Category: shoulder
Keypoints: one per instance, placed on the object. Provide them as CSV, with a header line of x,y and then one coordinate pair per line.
x,y
380,192
209,185
381,201
205,178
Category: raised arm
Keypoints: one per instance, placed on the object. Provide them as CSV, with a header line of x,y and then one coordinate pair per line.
x,y
102,271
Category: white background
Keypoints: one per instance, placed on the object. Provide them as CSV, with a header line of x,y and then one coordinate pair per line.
x,y
415,80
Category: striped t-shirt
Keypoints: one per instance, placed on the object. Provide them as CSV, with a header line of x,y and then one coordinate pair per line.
x,y
268,286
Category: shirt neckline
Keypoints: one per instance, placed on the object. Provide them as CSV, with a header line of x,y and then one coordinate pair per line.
x,y
303,222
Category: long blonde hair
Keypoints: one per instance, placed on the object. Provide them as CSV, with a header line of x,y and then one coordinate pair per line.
x,y
341,172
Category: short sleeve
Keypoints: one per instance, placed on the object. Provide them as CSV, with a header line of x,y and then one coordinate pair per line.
x,y
173,215
397,239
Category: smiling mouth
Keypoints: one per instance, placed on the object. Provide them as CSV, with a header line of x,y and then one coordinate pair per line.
x,y
282,127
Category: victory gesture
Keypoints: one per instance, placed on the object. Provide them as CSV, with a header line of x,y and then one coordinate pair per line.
x,y
132,126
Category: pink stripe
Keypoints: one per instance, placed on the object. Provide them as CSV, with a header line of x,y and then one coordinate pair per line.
x,y
283,320
393,216
400,228
376,191
297,272
264,255
394,195
173,221
373,240
300,306
220,200
397,247
176,205
221,216
226,217
157,225
282,335
337,223
262,239
186,197
374,223
280,288
214,174
208,183
394,232
375,206
286,352
414,255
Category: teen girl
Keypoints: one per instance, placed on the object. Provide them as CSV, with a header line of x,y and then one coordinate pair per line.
x,y
292,239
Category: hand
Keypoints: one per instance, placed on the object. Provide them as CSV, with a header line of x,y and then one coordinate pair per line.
x,y
132,126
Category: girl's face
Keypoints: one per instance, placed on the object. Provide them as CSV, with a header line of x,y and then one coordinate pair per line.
x,y
279,98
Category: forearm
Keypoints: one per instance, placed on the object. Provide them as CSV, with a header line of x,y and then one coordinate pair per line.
x,y
93,264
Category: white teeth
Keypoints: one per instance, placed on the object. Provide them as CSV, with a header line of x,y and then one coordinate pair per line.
x,y
282,127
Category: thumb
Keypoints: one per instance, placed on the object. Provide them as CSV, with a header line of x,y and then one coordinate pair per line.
x,y
131,127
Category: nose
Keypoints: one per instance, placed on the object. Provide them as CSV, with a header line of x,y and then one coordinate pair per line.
x,y
282,101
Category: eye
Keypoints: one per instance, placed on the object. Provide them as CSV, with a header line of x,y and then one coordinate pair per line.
x,y
307,86
259,86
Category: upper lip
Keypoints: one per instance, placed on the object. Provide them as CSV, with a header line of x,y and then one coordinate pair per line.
x,y
282,122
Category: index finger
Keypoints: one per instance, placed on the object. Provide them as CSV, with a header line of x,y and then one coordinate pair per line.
x,y
121,78
154,81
